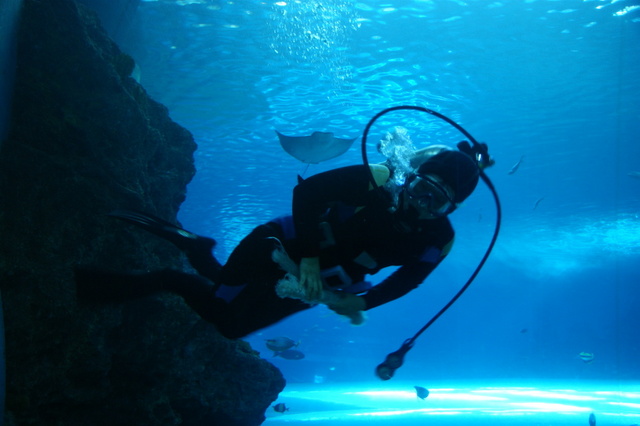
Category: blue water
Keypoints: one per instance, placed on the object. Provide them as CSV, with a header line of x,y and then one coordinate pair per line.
x,y
553,82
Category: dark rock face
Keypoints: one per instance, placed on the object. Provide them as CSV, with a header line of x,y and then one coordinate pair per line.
x,y
85,139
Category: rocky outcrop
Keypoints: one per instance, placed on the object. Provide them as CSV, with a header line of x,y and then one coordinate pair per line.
x,y
85,139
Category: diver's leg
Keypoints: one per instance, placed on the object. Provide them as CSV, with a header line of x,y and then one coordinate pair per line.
x,y
199,294
257,305
251,261
204,262
103,286
95,285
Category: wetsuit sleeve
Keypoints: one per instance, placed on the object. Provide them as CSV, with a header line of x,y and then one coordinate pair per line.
x,y
315,195
414,272
401,282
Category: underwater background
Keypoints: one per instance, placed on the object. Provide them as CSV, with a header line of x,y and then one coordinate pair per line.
x,y
550,85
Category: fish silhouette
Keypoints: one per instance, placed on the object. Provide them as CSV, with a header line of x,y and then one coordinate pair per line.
x,y
516,166
586,357
634,175
592,419
278,344
535,206
290,354
421,392
280,407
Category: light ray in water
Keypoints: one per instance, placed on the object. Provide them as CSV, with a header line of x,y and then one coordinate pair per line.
x,y
558,405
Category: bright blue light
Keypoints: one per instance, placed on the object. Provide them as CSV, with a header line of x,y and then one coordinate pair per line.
x,y
353,403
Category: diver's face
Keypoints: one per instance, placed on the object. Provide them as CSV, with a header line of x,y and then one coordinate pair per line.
x,y
430,195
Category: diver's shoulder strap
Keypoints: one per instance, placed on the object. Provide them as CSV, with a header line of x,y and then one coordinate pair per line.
x,y
380,174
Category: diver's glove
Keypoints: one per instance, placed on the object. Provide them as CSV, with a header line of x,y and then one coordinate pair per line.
x,y
310,279
289,286
347,304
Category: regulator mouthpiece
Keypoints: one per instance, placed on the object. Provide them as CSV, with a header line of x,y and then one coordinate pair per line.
x,y
393,361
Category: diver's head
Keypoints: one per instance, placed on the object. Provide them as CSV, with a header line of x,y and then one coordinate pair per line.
x,y
442,182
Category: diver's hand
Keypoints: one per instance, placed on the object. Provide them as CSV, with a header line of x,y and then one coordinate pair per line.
x,y
348,304
310,279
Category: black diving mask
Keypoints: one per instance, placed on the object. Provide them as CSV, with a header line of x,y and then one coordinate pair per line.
x,y
431,194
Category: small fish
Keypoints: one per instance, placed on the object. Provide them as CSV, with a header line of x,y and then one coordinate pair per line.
x,y
586,357
291,354
524,330
592,419
421,392
280,407
634,175
279,344
537,202
515,166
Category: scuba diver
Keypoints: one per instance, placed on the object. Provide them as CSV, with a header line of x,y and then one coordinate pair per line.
x,y
342,228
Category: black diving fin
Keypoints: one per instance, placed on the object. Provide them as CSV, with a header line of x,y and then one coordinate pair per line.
x,y
163,229
197,248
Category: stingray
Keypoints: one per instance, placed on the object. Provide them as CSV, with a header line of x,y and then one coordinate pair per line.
x,y
320,146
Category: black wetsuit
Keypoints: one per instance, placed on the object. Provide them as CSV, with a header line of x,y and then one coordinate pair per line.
x,y
352,230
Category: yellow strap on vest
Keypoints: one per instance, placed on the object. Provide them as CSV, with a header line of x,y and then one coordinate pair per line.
x,y
380,174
